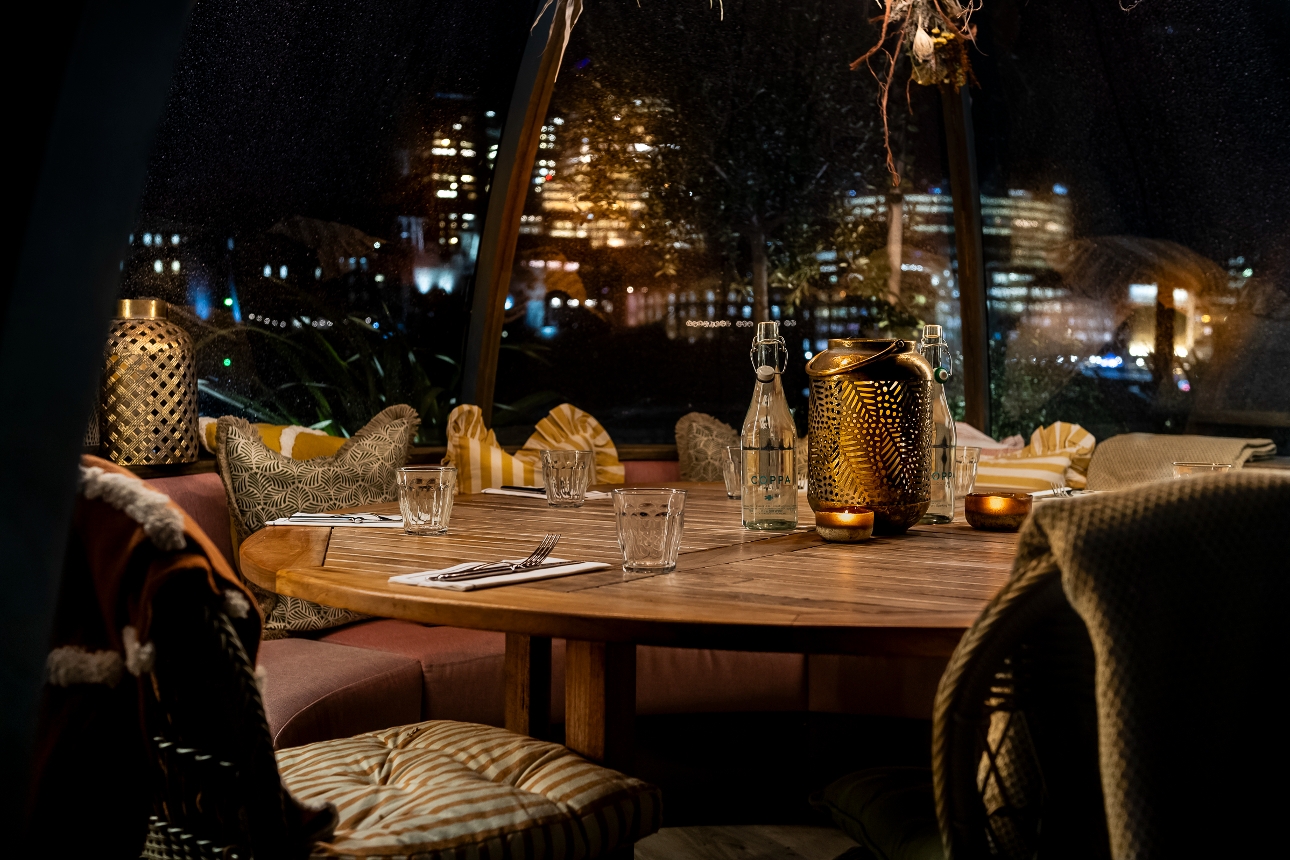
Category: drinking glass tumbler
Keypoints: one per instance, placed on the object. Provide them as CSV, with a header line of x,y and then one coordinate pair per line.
x,y
966,459
1186,470
649,527
425,498
732,469
566,475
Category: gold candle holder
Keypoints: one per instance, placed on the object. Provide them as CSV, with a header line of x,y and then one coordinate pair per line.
x,y
997,512
844,524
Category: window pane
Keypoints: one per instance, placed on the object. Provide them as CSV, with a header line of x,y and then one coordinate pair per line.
x,y
315,201
695,162
1135,172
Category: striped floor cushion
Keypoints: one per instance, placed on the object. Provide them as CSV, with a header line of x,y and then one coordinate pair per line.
x,y
444,790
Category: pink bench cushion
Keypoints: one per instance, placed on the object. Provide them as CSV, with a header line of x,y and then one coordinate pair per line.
x,y
879,686
316,691
651,471
464,672
202,498
461,671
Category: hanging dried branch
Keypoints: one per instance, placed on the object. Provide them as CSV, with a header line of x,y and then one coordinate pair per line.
x,y
934,34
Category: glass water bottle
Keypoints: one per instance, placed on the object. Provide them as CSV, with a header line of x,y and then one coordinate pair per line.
x,y
768,440
937,352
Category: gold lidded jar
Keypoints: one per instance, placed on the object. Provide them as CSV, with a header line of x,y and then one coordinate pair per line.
x,y
870,430
148,398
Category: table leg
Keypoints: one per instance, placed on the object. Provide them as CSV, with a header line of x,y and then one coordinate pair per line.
x,y
528,685
600,701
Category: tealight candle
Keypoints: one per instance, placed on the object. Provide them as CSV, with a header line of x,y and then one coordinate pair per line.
x,y
997,512
845,524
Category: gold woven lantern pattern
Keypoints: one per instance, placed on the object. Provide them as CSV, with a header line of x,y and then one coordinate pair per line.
x,y
869,445
148,401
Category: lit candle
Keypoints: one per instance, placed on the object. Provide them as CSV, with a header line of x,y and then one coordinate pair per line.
x,y
844,524
997,512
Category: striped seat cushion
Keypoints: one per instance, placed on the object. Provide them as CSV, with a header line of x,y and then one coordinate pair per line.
x,y
438,790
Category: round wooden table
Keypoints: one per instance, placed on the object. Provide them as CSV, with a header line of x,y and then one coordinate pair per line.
x,y
734,589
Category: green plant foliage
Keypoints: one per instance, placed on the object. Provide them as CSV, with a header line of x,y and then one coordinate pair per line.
x,y
335,379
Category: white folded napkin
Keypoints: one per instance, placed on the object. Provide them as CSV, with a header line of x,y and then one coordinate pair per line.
x,y
360,521
540,493
426,577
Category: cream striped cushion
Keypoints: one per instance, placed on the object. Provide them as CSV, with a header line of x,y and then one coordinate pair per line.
x,y
1028,474
439,790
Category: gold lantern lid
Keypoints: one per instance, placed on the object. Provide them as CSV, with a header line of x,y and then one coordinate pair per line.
x,y
142,309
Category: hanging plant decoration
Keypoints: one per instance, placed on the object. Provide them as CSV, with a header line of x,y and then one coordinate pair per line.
x,y
934,34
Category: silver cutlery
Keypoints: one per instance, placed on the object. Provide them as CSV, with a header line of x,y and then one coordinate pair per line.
x,y
351,518
538,556
461,575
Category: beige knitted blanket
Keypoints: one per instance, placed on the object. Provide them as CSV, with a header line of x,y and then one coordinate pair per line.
x,y
1184,586
1131,459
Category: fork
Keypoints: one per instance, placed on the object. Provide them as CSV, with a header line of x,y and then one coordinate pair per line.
x,y
536,558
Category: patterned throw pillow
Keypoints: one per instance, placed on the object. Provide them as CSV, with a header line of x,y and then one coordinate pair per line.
x,y
263,485
701,441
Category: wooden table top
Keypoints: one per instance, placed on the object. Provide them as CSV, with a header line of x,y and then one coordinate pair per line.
x,y
911,594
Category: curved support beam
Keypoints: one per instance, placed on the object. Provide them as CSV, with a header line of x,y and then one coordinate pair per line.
x,y
961,148
510,184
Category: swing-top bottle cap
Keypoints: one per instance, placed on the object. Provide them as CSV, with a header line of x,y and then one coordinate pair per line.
x,y
931,332
767,335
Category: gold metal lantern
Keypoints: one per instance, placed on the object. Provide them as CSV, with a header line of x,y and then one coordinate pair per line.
x,y
870,430
148,399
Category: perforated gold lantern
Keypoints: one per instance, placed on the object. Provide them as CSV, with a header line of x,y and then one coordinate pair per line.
x,y
870,425
148,401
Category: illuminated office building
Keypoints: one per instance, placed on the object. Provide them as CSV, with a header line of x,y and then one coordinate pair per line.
x,y
444,176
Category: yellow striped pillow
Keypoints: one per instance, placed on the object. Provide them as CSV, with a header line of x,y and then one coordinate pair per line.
x,y
289,440
481,463
567,427
1025,474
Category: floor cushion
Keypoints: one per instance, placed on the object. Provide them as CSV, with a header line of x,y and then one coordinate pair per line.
x,y
891,811
315,691
439,790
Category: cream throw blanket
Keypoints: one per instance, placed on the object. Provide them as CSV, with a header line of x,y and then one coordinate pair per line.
x,y
1139,458
1183,586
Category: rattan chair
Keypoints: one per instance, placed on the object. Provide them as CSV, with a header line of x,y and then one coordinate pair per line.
x,y
217,792
1014,743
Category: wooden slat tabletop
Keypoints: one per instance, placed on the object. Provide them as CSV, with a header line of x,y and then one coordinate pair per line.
x,y
733,588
